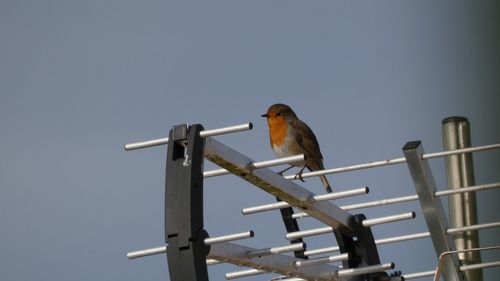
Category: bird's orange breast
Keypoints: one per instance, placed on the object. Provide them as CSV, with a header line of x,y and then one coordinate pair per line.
x,y
278,129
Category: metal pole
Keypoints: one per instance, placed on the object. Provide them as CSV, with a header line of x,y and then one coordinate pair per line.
x,y
462,207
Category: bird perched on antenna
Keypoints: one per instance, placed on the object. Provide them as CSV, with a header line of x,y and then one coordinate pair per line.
x,y
290,136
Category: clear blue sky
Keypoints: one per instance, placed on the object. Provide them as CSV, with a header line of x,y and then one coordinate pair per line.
x,y
79,79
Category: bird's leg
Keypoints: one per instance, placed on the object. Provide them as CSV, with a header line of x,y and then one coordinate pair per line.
x,y
281,173
299,174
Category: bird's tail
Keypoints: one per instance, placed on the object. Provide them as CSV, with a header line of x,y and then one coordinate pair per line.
x,y
325,183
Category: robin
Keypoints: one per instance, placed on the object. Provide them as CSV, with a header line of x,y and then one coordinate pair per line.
x,y
290,136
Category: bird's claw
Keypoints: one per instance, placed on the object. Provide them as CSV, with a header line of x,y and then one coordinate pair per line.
x,y
299,177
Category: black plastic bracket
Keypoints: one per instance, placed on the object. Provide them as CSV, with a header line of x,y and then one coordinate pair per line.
x,y
361,246
362,250
292,225
184,232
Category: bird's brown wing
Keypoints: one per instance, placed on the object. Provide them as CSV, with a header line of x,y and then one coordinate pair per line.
x,y
308,142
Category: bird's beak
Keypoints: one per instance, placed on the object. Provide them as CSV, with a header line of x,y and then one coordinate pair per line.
x,y
265,115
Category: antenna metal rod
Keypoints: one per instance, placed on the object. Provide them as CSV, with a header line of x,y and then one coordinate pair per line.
x,y
366,223
213,262
277,250
419,274
147,252
461,229
381,202
402,238
460,151
336,258
388,219
377,242
259,165
364,270
208,241
350,168
449,231
228,238
317,198
408,198
203,134
244,273
309,232
479,265
467,189
394,161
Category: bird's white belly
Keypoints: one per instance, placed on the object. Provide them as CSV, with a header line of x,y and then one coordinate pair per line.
x,y
283,150
280,151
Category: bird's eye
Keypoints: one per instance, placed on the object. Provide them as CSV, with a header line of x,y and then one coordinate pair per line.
x,y
278,114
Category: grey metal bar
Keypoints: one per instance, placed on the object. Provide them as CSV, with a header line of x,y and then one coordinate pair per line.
x,y
377,242
276,185
388,219
382,241
479,265
144,144
259,165
298,246
419,274
300,215
431,207
283,264
394,161
467,189
147,252
462,229
408,198
366,223
213,262
284,278
380,202
264,208
350,168
460,151
460,173
364,270
401,238
203,134
317,198
309,232
277,250
228,238
208,241
244,273
336,258
321,251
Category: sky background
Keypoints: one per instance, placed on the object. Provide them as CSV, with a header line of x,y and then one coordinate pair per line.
x,y
79,79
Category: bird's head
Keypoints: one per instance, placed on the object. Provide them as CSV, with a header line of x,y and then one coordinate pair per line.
x,y
279,112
